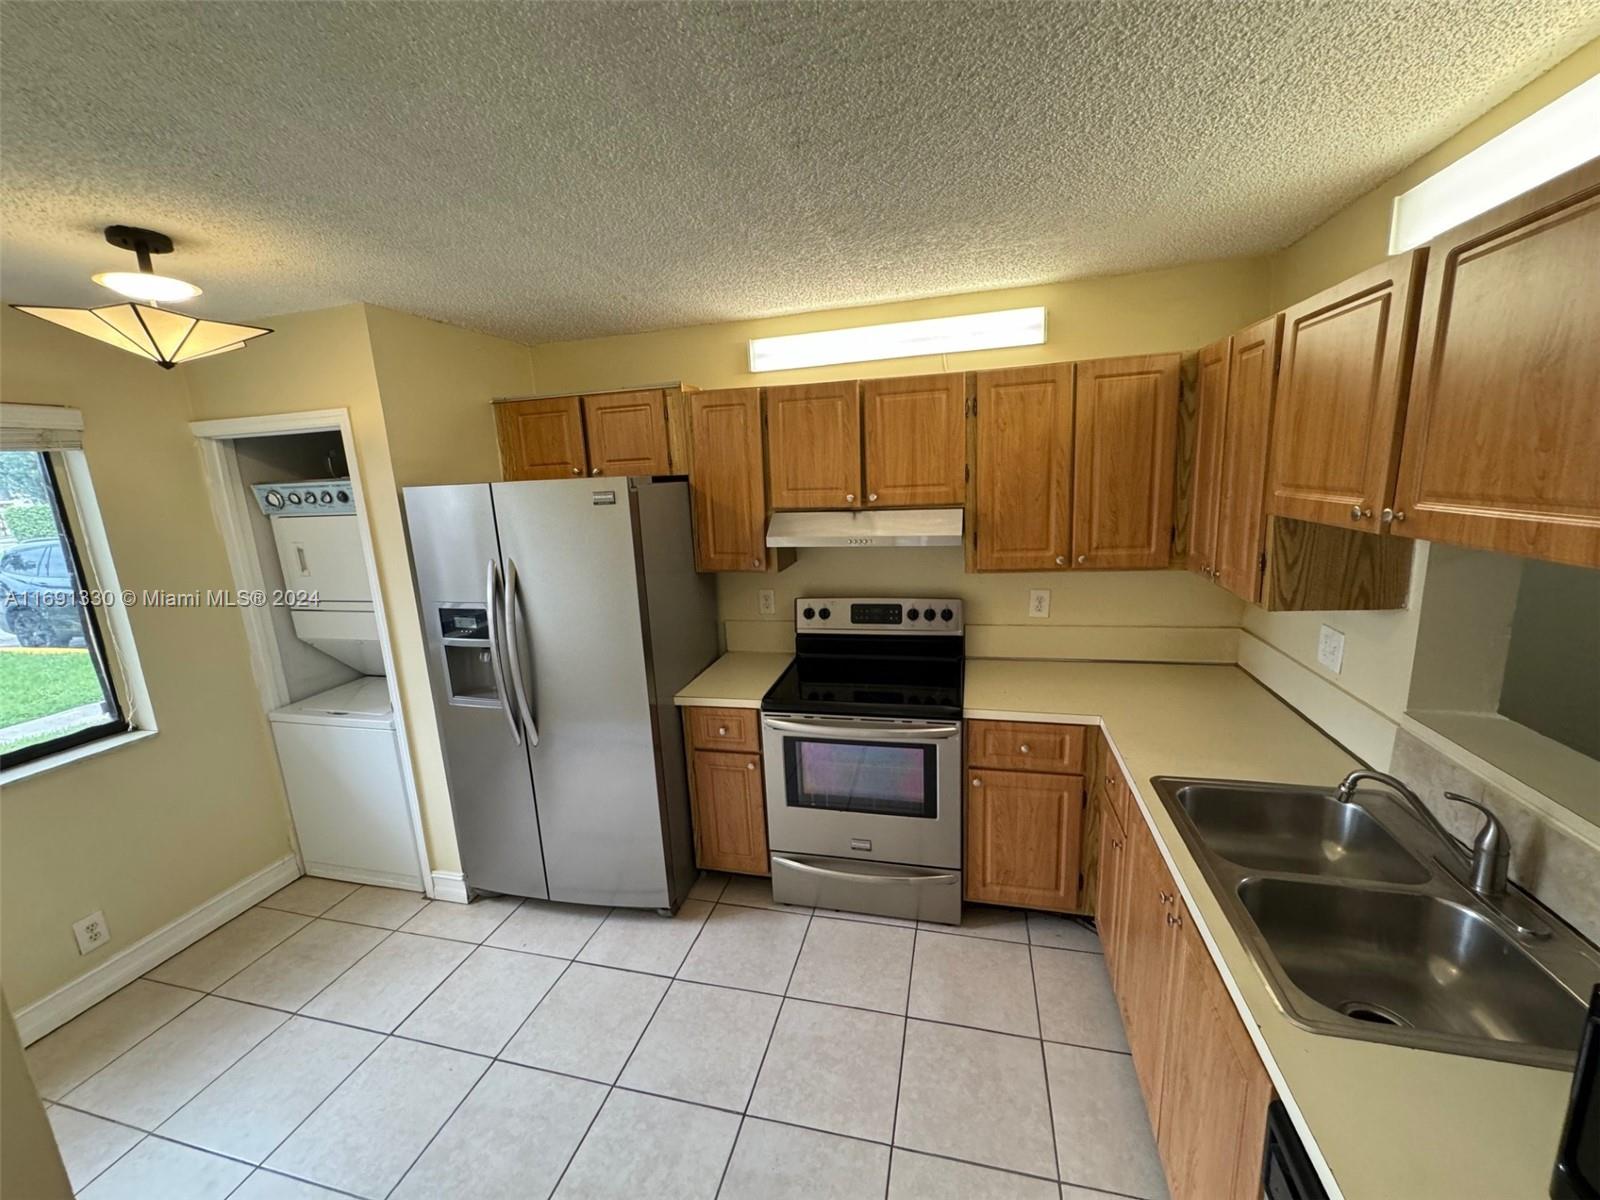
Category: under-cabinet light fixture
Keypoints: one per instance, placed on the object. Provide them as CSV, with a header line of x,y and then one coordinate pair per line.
x,y
902,339
1562,135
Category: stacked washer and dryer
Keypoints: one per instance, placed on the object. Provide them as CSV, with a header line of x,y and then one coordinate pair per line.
x,y
338,749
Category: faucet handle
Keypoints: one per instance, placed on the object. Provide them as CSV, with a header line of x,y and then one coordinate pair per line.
x,y
1491,850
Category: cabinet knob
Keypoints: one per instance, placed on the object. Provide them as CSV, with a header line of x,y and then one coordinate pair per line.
x,y
594,470
1166,897
1357,513
872,495
1174,919
755,562
1390,514
1061,560
750,766
722,731
977,783
849,497
577,470
1023,747
1083,558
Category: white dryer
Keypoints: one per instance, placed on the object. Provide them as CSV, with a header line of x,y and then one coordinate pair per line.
x,y
341,767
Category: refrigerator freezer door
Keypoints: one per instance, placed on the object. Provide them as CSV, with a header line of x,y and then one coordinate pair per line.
x,y
580,629
453,543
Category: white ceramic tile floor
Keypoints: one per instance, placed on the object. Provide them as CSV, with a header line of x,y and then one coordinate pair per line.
x,y
581,1052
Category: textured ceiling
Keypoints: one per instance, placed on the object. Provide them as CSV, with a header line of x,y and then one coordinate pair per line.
x,y
551,171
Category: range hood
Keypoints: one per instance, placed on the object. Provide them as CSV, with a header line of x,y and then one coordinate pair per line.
x,y
878,527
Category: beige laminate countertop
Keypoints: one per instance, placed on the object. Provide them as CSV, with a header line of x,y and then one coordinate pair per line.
x,y
1382,1122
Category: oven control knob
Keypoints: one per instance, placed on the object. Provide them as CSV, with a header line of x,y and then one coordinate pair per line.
x,y
294,497
327,497
927,614
344,497
946,615
274,499
825,613
809,614
911,614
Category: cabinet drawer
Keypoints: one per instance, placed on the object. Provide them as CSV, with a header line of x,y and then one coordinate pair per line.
x,y
723,728
1024,746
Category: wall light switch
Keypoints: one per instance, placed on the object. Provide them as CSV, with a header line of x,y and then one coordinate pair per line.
x,y
1039,602
1330,648
768,602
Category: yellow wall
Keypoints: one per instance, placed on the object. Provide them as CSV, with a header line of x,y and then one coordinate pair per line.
x,y
1146,313
148,831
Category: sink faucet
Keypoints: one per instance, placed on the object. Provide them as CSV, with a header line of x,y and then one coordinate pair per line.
x,y
1489,860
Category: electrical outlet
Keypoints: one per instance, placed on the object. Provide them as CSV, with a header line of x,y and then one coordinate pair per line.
x,y
1039,602
91,932
768,602
1330,648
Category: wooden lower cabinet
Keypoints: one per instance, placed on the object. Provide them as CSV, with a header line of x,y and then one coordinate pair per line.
x,y
1204,1086
1023,838
727,793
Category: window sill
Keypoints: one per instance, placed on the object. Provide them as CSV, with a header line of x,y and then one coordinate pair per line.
x,y
66,758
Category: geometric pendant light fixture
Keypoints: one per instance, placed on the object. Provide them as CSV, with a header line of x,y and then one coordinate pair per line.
x,y
146,329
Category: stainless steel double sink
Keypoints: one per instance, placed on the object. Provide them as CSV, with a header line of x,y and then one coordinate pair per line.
x,y
1361,928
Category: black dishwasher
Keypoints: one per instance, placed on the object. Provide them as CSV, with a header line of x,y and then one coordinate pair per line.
x,y
1286,1170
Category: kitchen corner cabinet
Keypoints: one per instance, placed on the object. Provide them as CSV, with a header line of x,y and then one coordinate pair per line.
x,y
726,795
541,439
1025,814
1022,469
1124,445
1341,393
1240,528
727,490
1211,405
627,433
914,436
814,445
1502,435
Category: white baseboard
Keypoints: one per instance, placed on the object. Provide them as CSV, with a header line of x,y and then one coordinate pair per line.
x,y
450,885
411,882
123,967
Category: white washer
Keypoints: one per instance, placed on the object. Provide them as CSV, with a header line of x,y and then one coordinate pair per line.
x,y
341,768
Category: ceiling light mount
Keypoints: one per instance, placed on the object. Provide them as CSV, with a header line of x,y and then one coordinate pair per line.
x,y
143,242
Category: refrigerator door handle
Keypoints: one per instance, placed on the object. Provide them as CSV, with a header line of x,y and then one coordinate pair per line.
x,y
513,612
491,586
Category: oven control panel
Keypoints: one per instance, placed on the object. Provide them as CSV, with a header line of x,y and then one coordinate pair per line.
x,y
877,614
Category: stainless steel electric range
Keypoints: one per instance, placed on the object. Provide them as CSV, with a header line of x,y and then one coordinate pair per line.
x,y
862,744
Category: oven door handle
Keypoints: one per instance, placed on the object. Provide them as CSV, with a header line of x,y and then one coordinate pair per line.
x,y
875,877
864,733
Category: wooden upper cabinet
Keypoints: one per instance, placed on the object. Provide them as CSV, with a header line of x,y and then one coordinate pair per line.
x,y
627,433
1211,406
726,487
1024,838
814,445
1341,392
541,439
1022,468
1126,436
1242,476
1502,438
915,433
1214,1090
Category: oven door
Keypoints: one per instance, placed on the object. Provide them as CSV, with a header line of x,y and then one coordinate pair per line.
x,y
864,788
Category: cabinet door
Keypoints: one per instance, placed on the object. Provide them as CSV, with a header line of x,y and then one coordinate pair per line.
x,y
1109,901
1214,1090
1147,941
726,486
1022,468
627,433
1211,404
814,445
1241,510
915,433
1125,440
1341,390
730,813
1026,746
1502,440
541,439
1023,843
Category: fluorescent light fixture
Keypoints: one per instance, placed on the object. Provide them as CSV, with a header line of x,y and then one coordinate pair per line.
x,y
1562,135
903,339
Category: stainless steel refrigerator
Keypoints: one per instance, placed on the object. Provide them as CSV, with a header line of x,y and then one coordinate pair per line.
x,y
561,617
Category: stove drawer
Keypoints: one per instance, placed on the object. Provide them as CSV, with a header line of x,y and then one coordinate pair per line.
x,y
723,728
883,889
1026,746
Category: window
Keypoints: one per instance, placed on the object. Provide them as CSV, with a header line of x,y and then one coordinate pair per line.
x,y
55,687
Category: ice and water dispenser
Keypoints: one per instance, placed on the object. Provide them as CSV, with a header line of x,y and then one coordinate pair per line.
x,y
469,667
